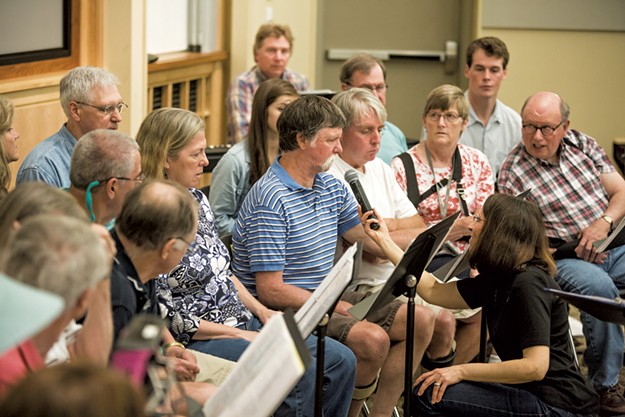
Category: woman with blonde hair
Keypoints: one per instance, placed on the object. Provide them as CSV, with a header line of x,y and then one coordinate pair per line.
x,y
208,308
8,144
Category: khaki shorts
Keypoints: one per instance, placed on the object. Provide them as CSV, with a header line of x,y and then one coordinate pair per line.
x,y
339,325
212,368
459,314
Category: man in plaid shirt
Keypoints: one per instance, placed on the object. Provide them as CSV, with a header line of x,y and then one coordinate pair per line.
x,y
272,50
580,196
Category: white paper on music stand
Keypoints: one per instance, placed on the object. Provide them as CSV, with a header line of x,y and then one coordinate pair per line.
x,y
326,294
266,372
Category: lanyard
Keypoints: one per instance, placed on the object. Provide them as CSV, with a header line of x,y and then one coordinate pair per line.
x,y
443,207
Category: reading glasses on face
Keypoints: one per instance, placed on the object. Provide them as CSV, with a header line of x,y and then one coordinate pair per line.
x,y
477,218
531,129
376,88
449,117
107,110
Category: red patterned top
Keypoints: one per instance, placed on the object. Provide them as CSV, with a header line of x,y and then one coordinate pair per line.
x,y
477,181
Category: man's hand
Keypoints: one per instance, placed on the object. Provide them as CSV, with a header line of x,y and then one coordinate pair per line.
x,y
342,307
264,314
461,228
597,230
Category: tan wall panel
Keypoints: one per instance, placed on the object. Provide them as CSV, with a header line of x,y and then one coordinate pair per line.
x,y
35,122
586,68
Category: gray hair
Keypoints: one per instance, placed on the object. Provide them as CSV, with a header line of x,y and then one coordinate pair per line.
x,y
77,85
446,96
156,211
29,199
56,253
307,116
102,154
358,102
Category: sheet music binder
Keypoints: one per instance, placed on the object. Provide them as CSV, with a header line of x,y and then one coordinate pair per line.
x,y
454,267
414,261
615,239
606,309
327,293
266,372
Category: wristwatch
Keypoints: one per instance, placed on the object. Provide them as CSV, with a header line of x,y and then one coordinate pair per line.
x,y
608,219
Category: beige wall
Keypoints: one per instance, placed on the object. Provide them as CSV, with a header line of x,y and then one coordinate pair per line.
x,y
124,55
585,68
248,15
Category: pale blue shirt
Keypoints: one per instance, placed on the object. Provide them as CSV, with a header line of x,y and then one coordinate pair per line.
x,y
497,138
393,142
230,183
49,160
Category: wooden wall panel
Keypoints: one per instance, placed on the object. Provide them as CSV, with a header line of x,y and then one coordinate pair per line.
x,y
35,122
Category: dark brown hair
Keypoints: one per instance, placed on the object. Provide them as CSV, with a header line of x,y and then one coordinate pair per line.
x,y
307,116
491,46
268,92
513,236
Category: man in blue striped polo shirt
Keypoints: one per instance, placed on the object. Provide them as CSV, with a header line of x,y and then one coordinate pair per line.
x,y
285,239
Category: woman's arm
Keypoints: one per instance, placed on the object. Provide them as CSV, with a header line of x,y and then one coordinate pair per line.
x,y
532,367
444,295
255,306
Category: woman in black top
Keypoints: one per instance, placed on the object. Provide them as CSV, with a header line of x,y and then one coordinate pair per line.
x,y
528,326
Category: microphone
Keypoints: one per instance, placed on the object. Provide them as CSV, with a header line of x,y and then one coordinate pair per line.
x,y
351,177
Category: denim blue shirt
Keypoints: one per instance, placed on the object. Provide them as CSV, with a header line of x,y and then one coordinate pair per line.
x,y
49,160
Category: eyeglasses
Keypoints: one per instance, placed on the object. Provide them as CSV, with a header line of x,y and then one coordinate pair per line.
x,y
477,218
531,129
107,110
377,88
190,245
139,178
449,117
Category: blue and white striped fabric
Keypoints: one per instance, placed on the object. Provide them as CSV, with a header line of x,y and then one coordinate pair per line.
x,y
283,226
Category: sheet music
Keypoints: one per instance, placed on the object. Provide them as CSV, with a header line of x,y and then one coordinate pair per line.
x,y
413,262
266,372
446,225
614,239
324,297
454,267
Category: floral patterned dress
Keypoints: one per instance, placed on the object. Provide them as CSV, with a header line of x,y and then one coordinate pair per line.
x,y
200,288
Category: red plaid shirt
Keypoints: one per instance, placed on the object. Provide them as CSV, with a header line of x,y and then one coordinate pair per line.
x,y
570,194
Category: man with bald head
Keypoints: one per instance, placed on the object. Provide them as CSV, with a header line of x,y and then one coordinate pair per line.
x,y
580,195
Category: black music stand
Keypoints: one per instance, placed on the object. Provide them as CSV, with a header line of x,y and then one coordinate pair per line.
x,y
403,281
315,314
607,309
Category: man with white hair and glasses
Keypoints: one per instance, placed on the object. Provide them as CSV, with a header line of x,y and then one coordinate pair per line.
x,y
90,100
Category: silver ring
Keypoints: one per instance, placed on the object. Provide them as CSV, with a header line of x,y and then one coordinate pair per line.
x,y
438,384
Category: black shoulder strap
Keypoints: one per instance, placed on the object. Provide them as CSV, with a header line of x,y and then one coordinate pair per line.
x,y
413,187
411,179
457,177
